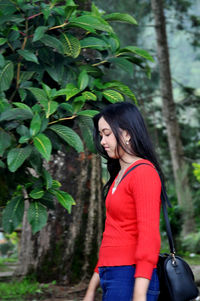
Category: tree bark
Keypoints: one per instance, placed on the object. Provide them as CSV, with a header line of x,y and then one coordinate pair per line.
x,y
67,242
172,126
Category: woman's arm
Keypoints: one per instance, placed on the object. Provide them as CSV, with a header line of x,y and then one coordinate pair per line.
x,y
140,289
94,283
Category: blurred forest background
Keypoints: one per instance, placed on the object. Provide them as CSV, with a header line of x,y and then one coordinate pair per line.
x,y
60,63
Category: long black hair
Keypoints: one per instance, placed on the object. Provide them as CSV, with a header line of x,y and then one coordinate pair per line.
x,y
125,116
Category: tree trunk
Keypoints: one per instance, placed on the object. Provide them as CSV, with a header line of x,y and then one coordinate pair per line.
x,y
61,248
169,114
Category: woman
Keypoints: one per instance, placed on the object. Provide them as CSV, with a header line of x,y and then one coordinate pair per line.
x,y
130,247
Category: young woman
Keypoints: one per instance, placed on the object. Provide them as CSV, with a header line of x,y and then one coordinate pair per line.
x,y
126,269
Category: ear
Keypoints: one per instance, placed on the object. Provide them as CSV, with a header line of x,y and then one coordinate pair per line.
x,y
126,137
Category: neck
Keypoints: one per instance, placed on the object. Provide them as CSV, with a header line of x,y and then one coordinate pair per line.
x,y
127,160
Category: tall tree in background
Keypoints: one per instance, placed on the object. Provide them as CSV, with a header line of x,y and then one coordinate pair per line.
x,y
170,118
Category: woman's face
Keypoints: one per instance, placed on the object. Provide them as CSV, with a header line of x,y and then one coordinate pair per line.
x,y
108,140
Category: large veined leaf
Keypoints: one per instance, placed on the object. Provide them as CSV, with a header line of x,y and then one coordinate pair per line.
x,y
83,80
5,141
50,107
37,216
35,124
89,113
6,76
17,156
86,127
48,179
39,33
123,64
2,41
121,88
39,94
28,55
113,96
16,114
135,50
91,23
13,214
23,106
95,43
71,45
71,91
43,145
68,135
36,193
52,42
65,199
120,18
89,95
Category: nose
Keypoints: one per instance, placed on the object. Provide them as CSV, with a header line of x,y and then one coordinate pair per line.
x,y
102,140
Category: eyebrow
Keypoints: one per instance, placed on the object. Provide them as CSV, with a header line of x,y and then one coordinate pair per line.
x,y
104,129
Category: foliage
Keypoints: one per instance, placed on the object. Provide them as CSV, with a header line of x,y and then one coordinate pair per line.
x,y
191,242
16,290
53,58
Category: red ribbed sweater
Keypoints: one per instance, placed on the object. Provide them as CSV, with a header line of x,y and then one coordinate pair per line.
x,y
131,234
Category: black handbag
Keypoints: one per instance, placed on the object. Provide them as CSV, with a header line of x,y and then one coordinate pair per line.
x,y
175,276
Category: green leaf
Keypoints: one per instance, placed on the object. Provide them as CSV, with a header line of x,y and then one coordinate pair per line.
x,y
141,52
89,113
123,64
83,80
68,135
43,145
2,61
26,75
39,94
23,106
28,55
2,164
89,95
36,193
6,76
91,23
50,108
52,42
71,45
95,43
121,88
17,156
71,90
24,139
120,18
13,214
86,127
48,179
65,199
35,124
5,141
2,41
113,96
39,33
22,130
16,114
37,216
56,184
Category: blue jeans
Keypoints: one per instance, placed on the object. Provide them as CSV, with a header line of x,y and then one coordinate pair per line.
x,y
117,283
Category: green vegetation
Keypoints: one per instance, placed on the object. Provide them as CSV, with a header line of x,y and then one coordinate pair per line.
x,y
16,290
53,58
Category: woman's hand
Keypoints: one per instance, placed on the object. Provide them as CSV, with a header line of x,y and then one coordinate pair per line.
x,y
140,289
94,283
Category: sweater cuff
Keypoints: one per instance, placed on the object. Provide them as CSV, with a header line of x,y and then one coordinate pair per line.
x,y
144,269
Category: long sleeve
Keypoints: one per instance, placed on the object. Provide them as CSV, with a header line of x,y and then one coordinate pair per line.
x,y
146,189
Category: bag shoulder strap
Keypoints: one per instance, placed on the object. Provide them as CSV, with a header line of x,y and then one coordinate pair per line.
x,y
164,200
